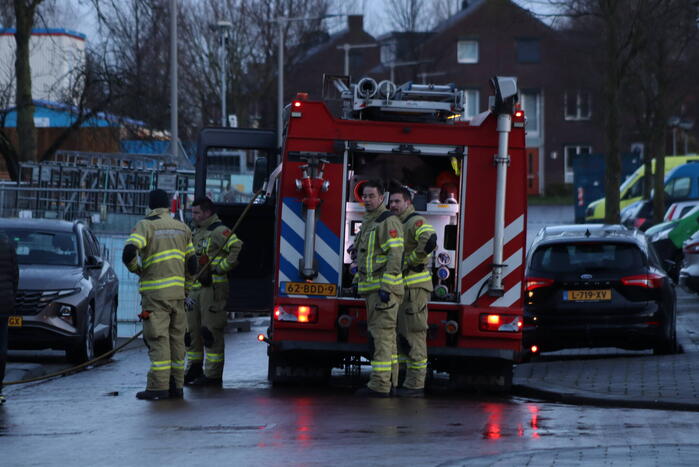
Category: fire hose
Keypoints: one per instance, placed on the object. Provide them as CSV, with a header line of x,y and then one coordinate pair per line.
x,y
77,367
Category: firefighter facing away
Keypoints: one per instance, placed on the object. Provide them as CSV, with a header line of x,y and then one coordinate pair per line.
x,y
379,248
217,246
164,247
420,241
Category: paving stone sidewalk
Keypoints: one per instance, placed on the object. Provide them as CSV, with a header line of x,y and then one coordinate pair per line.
x,y
618,378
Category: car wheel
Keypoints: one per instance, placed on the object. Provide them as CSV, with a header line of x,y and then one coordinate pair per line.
x,y
110,341
669,344
85,349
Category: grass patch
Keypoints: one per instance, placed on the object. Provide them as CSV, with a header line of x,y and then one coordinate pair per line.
x,y
549,200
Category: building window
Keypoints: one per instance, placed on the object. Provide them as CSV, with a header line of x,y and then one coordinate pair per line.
x,y
531,104
388,53
467,51
578,105
528,51
471,107
568,153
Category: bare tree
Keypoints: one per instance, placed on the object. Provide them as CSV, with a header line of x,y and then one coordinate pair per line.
x,y
614,39
661,78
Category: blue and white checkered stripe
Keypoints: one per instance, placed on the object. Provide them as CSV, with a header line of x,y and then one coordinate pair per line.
x,y
327,247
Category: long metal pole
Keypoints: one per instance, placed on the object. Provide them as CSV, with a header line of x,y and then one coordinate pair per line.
x,y
280,81
502,158
222,61
346,46
173,78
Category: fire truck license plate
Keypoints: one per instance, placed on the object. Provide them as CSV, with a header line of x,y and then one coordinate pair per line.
x,y
587,295
14,321
308,288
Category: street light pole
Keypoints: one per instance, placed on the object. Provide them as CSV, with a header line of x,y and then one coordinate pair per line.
x,y
223,27
280,20
280,81
173,79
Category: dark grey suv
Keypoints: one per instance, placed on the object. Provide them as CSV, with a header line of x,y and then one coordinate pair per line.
x,y
593,285
68,291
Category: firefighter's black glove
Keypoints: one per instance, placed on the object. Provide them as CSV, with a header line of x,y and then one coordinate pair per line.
x,y
187,338
417,267
384,296
205,277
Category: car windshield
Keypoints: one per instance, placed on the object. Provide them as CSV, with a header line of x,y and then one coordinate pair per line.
x,y
50,248
579,257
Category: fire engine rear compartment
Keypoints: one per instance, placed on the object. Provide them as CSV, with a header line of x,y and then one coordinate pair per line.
x,y
420,173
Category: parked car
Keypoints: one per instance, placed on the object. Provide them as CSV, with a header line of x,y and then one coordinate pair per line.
x,y
594,285
631,190
639,215
689,274
667,240
680,209
68,292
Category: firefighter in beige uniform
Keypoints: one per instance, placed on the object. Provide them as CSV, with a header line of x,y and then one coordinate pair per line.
x,y
379,248
207,316
420,241
167,260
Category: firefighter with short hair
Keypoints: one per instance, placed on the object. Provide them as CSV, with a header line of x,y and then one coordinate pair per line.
x,y
164,246
420,241
379,248
207,317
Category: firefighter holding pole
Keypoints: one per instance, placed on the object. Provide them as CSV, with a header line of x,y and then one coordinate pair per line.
x,y
217,249
379,248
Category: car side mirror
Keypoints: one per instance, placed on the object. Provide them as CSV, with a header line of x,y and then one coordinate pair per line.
x,y
93,262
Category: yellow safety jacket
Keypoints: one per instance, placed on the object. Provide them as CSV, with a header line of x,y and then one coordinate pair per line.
x,y
211,237
418,238
379,248
164,245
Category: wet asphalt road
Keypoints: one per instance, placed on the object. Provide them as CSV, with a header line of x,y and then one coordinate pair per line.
x,y
93,418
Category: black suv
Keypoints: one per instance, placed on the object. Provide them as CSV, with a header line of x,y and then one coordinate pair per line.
x,y
592,285
67,297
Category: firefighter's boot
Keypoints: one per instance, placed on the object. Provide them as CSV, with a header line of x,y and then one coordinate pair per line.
x,y
193,372
151,395
174,391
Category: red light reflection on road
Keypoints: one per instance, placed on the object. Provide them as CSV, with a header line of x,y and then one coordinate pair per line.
x,y
534,421
304,420
493,428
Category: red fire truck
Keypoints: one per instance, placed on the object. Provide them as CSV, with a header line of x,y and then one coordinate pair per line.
x,y
469,179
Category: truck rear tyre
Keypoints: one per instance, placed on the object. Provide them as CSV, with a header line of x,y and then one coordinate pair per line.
x,y
496,378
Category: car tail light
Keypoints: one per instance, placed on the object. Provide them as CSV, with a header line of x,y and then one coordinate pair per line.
x,y
296,313
537,282
498,322
638,222
534,348
649,281
691,248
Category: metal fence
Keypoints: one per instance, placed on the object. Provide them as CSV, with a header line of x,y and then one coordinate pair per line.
x,y
129,298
